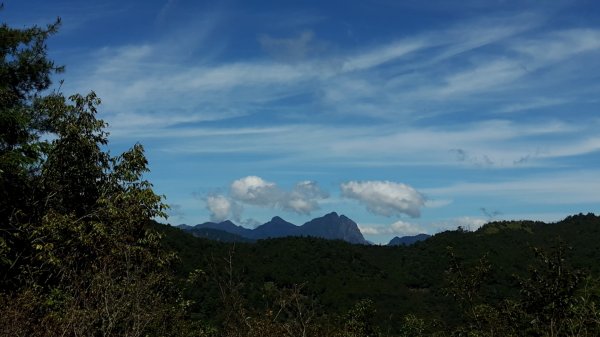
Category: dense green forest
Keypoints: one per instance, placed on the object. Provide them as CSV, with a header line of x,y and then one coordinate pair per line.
x,y
82,255
430,280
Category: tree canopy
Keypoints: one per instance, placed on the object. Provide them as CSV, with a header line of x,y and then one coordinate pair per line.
x,y
76,255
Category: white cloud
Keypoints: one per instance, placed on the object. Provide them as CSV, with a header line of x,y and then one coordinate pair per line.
x,y
400,228
303,198
385,197
255,191
222,208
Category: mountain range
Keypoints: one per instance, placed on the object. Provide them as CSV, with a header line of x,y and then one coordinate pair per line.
x,y
330,226
408,240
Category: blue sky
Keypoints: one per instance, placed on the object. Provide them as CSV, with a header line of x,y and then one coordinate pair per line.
x,y
406,116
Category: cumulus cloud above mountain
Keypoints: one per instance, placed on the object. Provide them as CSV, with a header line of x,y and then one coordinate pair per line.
x,y
304,198
253,190
385,197
222,208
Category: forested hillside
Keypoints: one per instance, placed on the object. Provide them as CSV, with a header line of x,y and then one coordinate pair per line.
x,y
400,280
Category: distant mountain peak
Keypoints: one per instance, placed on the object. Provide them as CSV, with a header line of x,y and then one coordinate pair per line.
x,y
275,228
333,226
407,240
227,226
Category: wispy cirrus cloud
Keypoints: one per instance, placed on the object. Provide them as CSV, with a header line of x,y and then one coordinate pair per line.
x,y
382,55
491,144
563,188
557,46
137,76
407,77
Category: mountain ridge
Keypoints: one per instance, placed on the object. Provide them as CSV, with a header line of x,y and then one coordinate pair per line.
x,y
275,228
408,240
330,226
